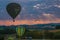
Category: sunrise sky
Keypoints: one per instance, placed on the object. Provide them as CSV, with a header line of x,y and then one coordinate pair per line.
x,y
33,12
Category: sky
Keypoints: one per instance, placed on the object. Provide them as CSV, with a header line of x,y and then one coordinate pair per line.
x,y
32,12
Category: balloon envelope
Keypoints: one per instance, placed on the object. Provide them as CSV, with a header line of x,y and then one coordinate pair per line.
x,y
20,31
13,9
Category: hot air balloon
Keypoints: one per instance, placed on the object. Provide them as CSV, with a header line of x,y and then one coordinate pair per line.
x,y
13,10
20,31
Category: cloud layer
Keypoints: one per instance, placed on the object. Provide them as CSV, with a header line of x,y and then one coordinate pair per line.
x,y
33,12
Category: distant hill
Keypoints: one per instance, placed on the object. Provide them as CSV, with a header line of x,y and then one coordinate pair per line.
x,y
36,26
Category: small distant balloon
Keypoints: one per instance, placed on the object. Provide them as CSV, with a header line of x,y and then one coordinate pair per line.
x,y
20,31
13,10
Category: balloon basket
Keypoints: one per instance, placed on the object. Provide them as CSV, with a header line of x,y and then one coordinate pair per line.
x,y
13,20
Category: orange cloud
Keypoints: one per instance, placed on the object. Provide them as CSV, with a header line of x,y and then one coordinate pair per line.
x,y
28,22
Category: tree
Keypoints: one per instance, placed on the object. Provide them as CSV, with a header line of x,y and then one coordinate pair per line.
x,y
58,27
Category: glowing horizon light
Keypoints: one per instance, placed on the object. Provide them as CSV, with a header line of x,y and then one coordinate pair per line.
x,y
27,22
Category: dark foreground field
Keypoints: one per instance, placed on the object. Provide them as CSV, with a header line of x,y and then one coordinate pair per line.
x,y
9,33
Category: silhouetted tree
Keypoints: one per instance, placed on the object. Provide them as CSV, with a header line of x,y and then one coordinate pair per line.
x,y
58,27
